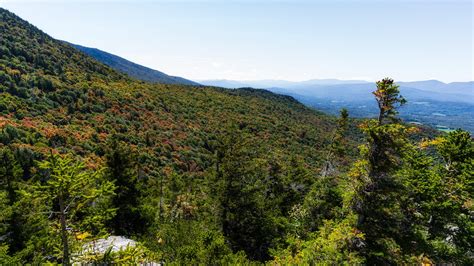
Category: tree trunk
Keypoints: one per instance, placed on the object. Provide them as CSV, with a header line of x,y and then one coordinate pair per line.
x,y
63,231
161,199
381,114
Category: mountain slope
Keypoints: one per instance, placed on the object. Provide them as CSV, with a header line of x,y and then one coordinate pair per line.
x,y
50,82
168,144
28,54
133,70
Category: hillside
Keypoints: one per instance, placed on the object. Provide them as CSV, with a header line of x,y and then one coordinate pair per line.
x,y
133,70
199,175
55,99
49,83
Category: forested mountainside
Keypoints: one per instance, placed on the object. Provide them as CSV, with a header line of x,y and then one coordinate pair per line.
x,y
205,175
133,70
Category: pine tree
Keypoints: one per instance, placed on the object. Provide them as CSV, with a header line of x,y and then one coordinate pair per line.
x,y
245,212
68,189
378,189
452,223
388,100
10,176
6,211
121,169
337,146
438,199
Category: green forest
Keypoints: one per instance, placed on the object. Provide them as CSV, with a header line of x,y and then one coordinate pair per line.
x,y
206,175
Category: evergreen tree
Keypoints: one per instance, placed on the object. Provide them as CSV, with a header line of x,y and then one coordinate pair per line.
x,y
6,212
388,100
10,176
245,214
122,171
376,201
452,225
337,146
437,202
68,188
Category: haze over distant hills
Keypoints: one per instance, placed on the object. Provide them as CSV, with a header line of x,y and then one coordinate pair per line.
x,y
432,102
463,88
270,83
132,69
317,87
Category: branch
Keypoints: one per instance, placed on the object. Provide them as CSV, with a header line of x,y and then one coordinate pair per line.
x,y
69,205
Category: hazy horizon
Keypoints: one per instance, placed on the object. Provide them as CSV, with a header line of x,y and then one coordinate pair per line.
x,y
339,79
271,40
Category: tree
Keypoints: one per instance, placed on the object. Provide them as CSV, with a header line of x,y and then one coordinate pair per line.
x,y
411,207
246,211
452,223
68,189
324,198
438,199
6,212
377,189
10,176
388,100
331,244
121,169
337,146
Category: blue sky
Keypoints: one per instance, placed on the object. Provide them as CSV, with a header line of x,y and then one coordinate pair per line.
x,y
290,40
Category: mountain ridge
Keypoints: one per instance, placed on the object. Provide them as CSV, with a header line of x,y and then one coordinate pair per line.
x,y
463,87
132,69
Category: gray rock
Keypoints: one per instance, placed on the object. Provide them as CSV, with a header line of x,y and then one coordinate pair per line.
x,y
116,243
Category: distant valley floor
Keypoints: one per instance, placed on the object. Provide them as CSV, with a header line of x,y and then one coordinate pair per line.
x,y
444,116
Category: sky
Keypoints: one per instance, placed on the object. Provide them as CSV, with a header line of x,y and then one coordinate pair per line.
x,y
256,39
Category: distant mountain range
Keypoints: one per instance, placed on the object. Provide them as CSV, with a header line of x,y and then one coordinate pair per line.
x,y
269,83
349,88
132,69
461,88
